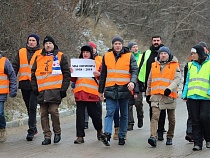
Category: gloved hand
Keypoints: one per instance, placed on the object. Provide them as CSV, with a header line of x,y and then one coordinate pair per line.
x,y
167,92
36,92
141,87
63,94
148,98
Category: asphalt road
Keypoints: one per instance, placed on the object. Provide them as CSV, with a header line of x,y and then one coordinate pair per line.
x,y
136,145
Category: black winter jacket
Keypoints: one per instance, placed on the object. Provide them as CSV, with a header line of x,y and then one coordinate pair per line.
x,y
116,91
52,95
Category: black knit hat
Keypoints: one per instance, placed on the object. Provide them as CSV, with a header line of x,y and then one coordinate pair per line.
x,y
50,39
131,44
117,38
87,48
35,36
199,50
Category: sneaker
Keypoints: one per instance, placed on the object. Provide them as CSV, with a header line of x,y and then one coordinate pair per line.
x,y
130,128
3,135
196,148
30,136
152,141
79,140
105,138
121,141
189,138
46,141
57,138
99,133
169,141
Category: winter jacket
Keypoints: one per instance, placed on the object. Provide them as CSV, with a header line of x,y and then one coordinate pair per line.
x,y
159,100
185,91
52,95
118,91
8,69
24,84
151,59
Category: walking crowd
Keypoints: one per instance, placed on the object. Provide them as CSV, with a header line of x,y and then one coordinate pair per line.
x,y
123,76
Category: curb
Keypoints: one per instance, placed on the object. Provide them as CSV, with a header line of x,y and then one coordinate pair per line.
x,y
24,121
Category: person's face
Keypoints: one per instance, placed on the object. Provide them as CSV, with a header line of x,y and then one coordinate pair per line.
x,y
194,56
94,51
134,49
164,56
117,46
86,54
32,42
156,42
49,46
206,50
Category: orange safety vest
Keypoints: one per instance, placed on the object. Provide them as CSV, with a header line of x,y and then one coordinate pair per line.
x,y
4,81
45,79
87,84
98,58
25,67
161,80
117,72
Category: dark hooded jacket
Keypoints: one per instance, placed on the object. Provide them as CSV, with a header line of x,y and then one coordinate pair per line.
x,y
117,91
52,95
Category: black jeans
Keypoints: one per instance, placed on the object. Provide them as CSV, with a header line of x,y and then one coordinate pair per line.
x,y
200,114
189,121
161,122
31,104
94,111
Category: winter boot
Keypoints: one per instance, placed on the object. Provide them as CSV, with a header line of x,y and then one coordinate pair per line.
x,y
3,135
115,137
99,133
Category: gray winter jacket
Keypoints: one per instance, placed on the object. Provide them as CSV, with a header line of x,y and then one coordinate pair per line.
x,y
159,100
8,69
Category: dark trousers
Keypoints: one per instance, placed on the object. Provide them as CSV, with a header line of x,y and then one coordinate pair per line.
x,y
189,121
116,117
162,118
200,112
94,111
31,104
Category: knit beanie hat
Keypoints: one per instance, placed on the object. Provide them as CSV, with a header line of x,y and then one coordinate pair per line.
x,y
117,38
203,44
164,49
92,44
35,36
50,39
131,44
199,50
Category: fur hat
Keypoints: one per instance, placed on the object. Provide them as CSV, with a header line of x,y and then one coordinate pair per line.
x,y
87,48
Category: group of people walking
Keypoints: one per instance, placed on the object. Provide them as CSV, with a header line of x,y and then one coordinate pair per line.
x,y
122,77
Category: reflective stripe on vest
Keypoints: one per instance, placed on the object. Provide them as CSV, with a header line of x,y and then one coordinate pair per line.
x,y
45,79
25,67
199,81
117,72
87,84
162,79
4,81
142,72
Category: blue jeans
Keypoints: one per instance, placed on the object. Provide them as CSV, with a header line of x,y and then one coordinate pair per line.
x,y
111,105
2,118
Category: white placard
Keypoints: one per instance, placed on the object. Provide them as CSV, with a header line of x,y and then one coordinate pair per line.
x,y
83,67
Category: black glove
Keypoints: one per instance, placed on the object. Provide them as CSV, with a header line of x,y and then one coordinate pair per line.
x,y
141,87
148,98
63,94
167,92
36,92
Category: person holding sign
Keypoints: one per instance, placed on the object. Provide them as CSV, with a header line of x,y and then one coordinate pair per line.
x,y
86,95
